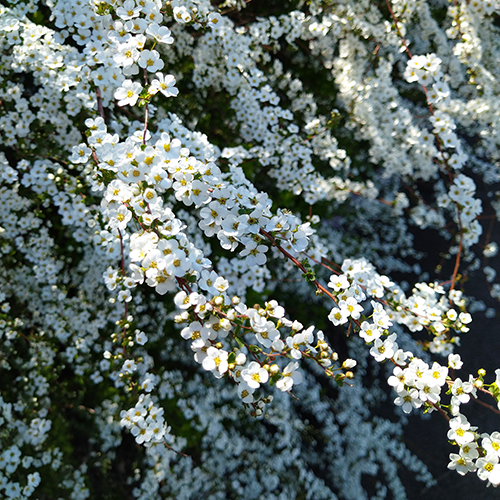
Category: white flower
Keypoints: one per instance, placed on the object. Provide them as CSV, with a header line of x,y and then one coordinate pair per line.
x,y
454,361
129,366
128,93
460,430
221,284
338,282
338,316
182,300
246,392
465,318
274,309
369,332
140,337
182,15
80,153
397,380
164,84
351,307
290,377
216,361
268,334
486,465
160,33
462,465
429,392
438,373
469,450
491,443
349,363
254,375
383,350
461,390
408,400
150,60
128,11
494,475
124,296
299,340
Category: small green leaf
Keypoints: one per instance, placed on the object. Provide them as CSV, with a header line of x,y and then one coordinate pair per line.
x,y
239,342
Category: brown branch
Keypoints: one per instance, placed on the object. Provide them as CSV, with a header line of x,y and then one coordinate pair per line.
x,y
440,410
486,405
290,257
407,50
175,451
457,260
100,107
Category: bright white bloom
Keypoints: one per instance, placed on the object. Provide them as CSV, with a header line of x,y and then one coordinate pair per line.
x,y
339,282
254,375
216,361
290,377
369,332
384,349
128,93
454,361
460,430
408,400
160,33
338,316
164,84
486,465
461,464
150,60
129,366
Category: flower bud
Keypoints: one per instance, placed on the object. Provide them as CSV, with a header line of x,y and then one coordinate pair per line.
x,y
241,359
349,363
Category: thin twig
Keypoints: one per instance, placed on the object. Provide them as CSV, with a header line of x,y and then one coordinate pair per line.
x,y
100,107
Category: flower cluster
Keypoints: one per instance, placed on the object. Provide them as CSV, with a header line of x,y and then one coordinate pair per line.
x,y
218,232
417,383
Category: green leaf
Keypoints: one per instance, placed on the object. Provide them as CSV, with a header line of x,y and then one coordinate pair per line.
x,y
239,342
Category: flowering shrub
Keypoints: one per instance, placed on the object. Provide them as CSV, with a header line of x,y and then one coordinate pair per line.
x,y
211,226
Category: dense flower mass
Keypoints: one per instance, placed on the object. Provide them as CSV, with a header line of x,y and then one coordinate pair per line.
x,y
212,266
